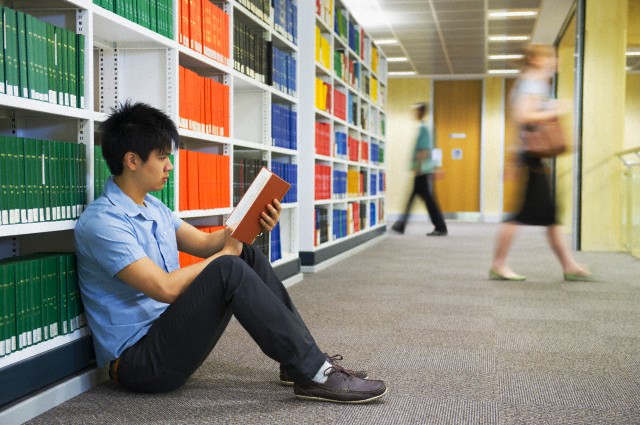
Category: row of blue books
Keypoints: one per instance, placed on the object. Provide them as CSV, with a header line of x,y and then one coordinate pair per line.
x,y
285,13
288,173
341,145
373,215
339,184
283,71
284,130
276,244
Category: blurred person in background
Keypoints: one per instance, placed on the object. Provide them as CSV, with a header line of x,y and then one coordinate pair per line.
x,y
532,105
423,167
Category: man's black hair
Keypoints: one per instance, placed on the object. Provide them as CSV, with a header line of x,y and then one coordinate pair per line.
x,y
138,128
421,107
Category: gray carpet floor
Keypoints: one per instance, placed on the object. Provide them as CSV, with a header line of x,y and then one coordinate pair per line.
x,y
453,346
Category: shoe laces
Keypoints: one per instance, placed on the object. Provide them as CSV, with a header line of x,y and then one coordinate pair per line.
x,y
336,368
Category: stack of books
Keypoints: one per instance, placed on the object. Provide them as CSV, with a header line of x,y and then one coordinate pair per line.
x,y
288,173
323,138
284,128
283,71
203,104
41,61
41,300
204,180
322,181
250,52
188,259
204,28
41,180
285,22
156,15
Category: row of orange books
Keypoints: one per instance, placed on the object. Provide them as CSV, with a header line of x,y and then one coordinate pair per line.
x,y
204,27
203,104
188,259
204,180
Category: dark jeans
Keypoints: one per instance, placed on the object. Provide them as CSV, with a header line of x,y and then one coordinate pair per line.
x,y
180,340
422,184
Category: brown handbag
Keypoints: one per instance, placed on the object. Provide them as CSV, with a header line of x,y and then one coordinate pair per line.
x,y
544,140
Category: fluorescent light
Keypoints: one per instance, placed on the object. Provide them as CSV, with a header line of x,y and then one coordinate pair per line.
x,y
503,71
401,73
385,41
505,57
633,53
509,38
399,59
512,13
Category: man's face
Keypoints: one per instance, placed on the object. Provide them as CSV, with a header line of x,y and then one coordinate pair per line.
x,y
155,171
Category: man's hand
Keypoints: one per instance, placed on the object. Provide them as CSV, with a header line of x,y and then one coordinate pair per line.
x,y
232,246
271,216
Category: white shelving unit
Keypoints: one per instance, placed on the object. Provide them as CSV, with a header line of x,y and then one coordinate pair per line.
x,y
124,60
367,126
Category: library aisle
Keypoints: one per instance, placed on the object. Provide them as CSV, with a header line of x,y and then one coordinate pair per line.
x,y
453,346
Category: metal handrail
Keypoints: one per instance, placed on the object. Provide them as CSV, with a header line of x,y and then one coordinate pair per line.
x,y
634,161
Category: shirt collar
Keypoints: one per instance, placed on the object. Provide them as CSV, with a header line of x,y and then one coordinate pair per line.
x,y
121,200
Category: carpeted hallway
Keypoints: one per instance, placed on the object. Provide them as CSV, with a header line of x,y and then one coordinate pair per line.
x,y
454,347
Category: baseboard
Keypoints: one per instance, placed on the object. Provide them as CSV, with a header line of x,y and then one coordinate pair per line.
x,y
340,257
39,403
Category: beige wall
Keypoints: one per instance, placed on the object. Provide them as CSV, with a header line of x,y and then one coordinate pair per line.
x,y
492,155
603,125
632,112
632,106
565,163
402,94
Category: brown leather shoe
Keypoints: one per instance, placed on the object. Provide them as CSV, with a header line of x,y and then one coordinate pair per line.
x,y
288,382
341,386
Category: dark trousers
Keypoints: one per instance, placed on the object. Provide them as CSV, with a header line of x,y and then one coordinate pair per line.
x,y
180,340
422,184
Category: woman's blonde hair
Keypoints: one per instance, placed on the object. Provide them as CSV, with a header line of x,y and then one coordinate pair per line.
x,y
539,50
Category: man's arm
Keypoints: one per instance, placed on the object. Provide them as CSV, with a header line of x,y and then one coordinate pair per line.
x,y
147,277
201,244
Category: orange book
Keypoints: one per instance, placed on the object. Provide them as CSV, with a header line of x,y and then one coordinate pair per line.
x,y
216,180
192,180
226,183
183,191
208,29
184,23
245,217
225,110
195,29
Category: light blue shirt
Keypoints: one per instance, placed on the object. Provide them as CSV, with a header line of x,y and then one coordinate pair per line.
x,y
112,233
423,142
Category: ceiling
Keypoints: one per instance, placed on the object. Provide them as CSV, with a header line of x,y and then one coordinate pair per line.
x,y
451,37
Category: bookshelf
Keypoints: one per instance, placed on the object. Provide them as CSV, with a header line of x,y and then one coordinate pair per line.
x,y
241,57
342,109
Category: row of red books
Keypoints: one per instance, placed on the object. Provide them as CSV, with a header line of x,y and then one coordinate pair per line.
x,y
204,27
188,259
204,104
323,182
323,138
340,104
204,180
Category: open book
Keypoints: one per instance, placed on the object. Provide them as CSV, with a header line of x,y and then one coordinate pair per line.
x,y
246,215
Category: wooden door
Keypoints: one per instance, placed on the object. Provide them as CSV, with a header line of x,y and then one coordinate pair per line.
x,y
457,116
514,178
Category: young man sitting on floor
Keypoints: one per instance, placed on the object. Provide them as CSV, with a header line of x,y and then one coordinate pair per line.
x,y
154,322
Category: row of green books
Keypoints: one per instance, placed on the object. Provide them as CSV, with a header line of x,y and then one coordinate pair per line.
x,y
41,61
260,8
41,180
156,15
101,173
40,300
